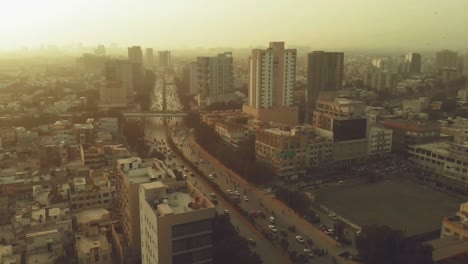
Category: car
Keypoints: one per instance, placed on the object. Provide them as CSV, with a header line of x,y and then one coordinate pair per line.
x,y
214,201
185,169
272,219
191,173
261,214
185,176
251,242
273,228
229,192
344,254
236,193
202,161
211,177
323,227
300,239
213,195
333,216
246,198
254,214
308,252
358,233
330,231
226,212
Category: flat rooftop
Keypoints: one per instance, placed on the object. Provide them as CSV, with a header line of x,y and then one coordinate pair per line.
x,y
84,244
441,148
400,204
448,247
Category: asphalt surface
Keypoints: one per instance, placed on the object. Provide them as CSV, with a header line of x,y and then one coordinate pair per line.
x,y
154,129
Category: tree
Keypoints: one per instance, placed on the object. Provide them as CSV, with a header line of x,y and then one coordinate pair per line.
x,y
383,245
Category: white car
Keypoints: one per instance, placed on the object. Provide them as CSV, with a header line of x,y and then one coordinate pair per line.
x,y
246,198
229,192
333,216
202,161
236,193
273,228
300,239
272,219
211,177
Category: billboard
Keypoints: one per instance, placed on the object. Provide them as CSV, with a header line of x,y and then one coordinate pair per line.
x,y
349,129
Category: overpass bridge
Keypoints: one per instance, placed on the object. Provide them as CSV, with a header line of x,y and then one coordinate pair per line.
x,y
155,114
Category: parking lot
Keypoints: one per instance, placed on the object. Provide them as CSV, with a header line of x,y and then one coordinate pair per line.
x,y
400,204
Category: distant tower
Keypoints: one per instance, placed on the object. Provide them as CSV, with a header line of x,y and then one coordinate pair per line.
x,y
100,50
165,59
135,55
149,58
413,61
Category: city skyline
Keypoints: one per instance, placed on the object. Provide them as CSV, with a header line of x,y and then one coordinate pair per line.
x,y
189,24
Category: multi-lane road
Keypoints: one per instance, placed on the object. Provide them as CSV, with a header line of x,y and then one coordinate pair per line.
x,y
154,129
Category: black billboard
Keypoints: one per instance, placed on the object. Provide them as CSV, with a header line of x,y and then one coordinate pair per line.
x,y
349,129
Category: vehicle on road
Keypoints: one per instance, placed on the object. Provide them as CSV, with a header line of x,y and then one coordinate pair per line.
x,y
272,219
214,201
300,239
226,212
211,177
236,193
246,198
273,228
251,242
253,214
330,231
229,192
333,216
202,161
308,253
213,195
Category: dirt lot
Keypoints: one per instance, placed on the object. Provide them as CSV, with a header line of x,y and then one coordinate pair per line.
x,y
402,205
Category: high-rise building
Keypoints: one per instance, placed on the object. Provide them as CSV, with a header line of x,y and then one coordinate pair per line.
x,y
272,76
135,54
120,72
176,223
149,58
413,62
100,50
118,86
193,78
324,73
215,77
381,81
165,59
446,59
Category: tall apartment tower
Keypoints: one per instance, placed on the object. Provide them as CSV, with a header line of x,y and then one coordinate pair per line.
x,y
215,77
272,76
324,73
135,55
165,58
149,58
413,62
176,224
118,87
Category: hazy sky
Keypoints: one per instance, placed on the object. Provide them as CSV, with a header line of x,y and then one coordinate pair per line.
x,y
419,24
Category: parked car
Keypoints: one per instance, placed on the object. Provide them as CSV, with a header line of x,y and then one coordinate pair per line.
x,y
211,177
300,239
272,219
246,198
229,192
251,242
253,214
214,201
330,231
273,228
202,161
213,195
333,216
308,253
